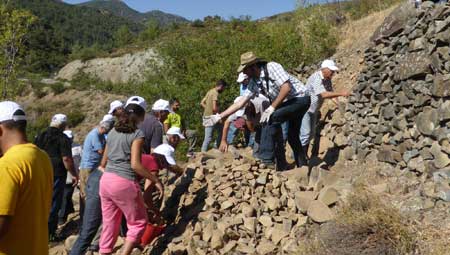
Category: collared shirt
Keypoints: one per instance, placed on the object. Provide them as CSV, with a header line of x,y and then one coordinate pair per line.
x,y
93,143
317,84
277,77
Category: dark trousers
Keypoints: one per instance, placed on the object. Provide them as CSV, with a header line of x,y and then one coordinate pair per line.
x,y
67,203
92,215
272,145
58,191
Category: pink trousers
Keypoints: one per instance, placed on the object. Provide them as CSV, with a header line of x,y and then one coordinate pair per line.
x,y
120,196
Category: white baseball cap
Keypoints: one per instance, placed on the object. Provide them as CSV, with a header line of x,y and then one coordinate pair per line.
x,y
11,111
241,111
167,151
114,105
68,133
137,100
242,76
108,118
161,105
59,118
330,65
175,131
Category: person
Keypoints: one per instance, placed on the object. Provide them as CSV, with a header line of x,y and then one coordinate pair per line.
x,y
116,108
67,203
93,149
251,116
289,100
120,193
152,127
174,120
26,181
210,104
57,145
243,83
321,86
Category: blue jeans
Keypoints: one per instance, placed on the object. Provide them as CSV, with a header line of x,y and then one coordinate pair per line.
x,y
307,128
59,182
92,219
272,145
209,132
67,203
285,130
232,130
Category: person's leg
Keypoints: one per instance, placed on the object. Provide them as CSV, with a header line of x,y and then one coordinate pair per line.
x,y
305,129
267,145
231,133
111,214
92,219
84,175
67,205
131,203
95,244
285,129
58,191
191,136
208,138
219,128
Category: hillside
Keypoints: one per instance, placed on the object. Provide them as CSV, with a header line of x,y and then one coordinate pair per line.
x,y
121,9
62,27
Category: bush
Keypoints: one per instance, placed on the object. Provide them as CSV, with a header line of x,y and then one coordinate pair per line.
x,y
58,88
75,117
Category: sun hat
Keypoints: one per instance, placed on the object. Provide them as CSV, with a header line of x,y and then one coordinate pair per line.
x,y
11,111
175,131
247,59
167,151
330,65
138,101
242,76
161,105
114,105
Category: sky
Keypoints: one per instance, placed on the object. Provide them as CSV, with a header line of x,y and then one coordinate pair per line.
x,y
198,9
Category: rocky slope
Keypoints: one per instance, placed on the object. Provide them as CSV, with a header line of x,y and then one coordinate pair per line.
x,y
130,67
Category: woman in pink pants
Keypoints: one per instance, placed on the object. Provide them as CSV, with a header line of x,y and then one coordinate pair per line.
x,y
119,190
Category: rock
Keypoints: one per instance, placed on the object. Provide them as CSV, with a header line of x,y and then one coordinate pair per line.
x,y
226,205
266,247
265,220
441,85
417,164
243,168
319,212
328,196
250,224
441,159
70,241
262,179
388,155
217,240
303,200
272,203
412,65
248,211
229,247
394,23
444,111
278,234
427,121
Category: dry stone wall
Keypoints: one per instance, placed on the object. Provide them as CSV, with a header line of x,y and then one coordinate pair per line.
x,y
400,106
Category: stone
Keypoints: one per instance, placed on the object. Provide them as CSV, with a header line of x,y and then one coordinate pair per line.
x,y
388,155
417,164
441,85
278,234
243,168
441,159
265,220
319,212
412,65
427,121
208,232
341,140
250,224
262,179
328,196
303,199
226,205
266,247
248,211
229,247
394,23
272,203
444,111
70,241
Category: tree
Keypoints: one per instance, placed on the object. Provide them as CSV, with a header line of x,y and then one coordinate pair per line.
x,y
123,36
14,27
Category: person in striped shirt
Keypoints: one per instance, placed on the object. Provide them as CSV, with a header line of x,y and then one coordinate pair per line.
x,y
320,85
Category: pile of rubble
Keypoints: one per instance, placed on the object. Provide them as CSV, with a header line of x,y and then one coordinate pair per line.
x,y
237,205
400,106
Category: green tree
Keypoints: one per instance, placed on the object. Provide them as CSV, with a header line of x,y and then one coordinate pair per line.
x,y
14,27
151,31
123,36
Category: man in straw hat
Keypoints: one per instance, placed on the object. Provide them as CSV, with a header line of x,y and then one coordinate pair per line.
x,y
289,100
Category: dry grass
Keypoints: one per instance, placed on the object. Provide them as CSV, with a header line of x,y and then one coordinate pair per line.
x,y
365,225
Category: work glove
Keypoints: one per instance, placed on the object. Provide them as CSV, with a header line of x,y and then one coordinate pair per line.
x,y
211,120
265,117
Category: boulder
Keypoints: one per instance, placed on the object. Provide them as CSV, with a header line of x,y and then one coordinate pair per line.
x,y
319,212
328,196
427,121
412,65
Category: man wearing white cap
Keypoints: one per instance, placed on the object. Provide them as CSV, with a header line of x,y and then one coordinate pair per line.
x,y
243,81
58,147
25,186
153,125
115,108
174,136
321,88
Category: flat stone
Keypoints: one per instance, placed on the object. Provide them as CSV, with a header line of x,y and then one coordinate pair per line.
x,y
427,121
243,168
303,199
319,212
265,220
226,205
229,247
278,234
266,247
262,179
441,85
217,240
328,196
413,65
272,203
441,159
250,224
248,211
417,164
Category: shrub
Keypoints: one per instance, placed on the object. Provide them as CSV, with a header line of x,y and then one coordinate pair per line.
x,y
58,88
75,117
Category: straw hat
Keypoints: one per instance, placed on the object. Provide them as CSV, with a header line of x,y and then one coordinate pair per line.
x,y
247,59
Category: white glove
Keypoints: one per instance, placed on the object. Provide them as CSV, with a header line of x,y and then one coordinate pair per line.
x,y
265,117
211,120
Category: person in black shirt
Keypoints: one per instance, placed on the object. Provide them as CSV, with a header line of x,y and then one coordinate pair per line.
x,y
58,147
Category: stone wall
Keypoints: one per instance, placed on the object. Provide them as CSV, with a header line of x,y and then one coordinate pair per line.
x,y
400,106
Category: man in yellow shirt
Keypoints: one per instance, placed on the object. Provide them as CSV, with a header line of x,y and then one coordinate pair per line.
x,y
174,120
26,180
